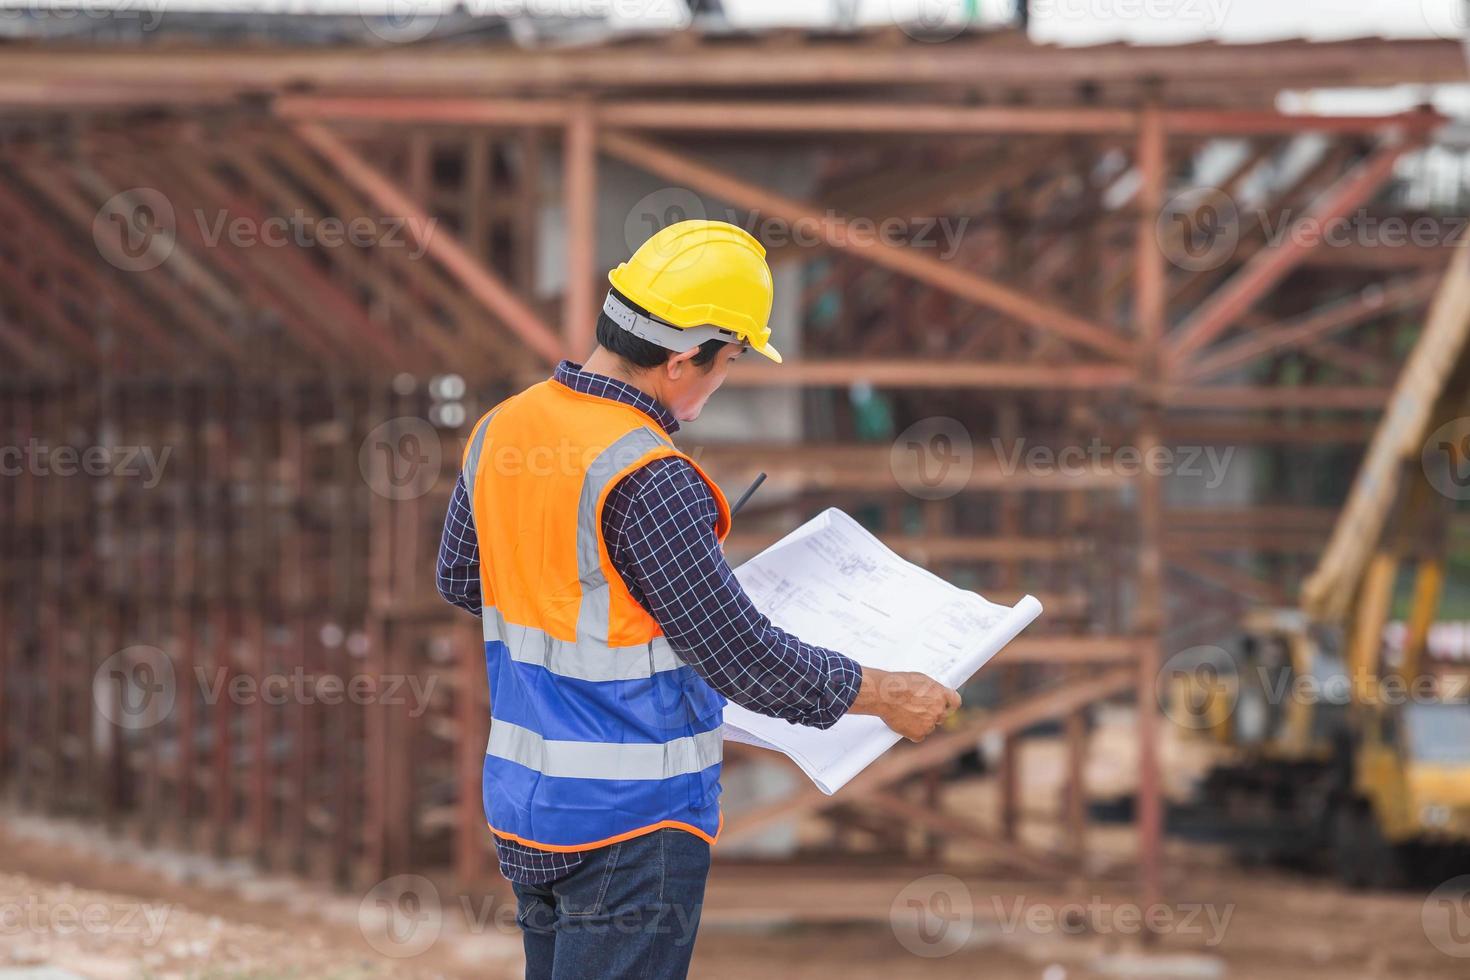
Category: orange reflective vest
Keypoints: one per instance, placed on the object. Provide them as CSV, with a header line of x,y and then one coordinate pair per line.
x,y
599,732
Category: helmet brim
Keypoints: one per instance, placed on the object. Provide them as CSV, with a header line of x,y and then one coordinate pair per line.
x,y
768,350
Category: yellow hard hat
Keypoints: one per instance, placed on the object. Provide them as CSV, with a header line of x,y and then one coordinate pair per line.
x,y
708,279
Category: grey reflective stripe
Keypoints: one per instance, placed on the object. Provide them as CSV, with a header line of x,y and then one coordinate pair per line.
x,y
581,660
604,760
592,617
472,459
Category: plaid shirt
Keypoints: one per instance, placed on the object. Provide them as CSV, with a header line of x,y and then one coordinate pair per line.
x,y
658,523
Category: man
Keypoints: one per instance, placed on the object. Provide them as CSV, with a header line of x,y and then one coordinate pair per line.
x,y
614,628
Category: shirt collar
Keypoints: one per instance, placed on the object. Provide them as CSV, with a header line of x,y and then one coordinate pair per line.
x,y
601,386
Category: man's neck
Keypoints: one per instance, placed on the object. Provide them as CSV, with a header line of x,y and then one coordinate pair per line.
x,y
603,362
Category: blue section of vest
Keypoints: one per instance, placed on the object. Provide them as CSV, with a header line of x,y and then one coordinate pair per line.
x,y
670,704
572,812
665,725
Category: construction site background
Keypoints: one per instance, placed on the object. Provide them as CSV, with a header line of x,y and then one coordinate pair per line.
x,y
1157,312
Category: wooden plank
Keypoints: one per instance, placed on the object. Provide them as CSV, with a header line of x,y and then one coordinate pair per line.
x,y
1330,588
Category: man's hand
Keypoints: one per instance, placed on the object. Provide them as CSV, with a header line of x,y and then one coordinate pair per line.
x,y
911,704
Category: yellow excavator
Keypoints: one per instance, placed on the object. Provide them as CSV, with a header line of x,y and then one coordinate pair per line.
x,y
1340,751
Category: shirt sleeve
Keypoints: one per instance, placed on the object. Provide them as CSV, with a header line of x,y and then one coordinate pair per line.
x,y
459,553
659,526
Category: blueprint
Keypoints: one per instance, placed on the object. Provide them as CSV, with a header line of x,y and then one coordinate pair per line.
x,y
833,584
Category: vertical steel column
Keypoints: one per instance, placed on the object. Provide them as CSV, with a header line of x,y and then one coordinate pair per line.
x,y
376,721
255,597
9,546
1150,315
527,217
29,508
184,430
294,603
219,402
579,173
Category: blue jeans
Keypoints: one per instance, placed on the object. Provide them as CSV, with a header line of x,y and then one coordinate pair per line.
x,y
629,910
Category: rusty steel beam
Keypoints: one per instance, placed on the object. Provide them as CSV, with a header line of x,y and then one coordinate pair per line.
x,y
46,308
350,326
947,824
933,374
24,347
1016,716
426,111
878,117
1188,429
181,262
425,282
484,284
821,63
356,266
878,469
836,234
1071,649
867,117
42,235
188,310
807,117
1267,122
1370,302
1267,541
1219,573
1257,397
243,268
1269,266
1254,231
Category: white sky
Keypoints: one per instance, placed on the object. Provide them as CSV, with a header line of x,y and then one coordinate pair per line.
x,y
1062,21
1153,21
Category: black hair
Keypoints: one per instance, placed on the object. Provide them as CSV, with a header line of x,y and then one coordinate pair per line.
x,y
640,352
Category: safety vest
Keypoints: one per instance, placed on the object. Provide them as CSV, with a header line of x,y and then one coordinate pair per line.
x,y
598,731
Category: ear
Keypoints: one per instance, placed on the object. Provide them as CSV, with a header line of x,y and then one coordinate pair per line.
x,y
675,366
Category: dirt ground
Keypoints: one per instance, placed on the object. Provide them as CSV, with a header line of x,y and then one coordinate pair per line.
x,y
71,909
77,904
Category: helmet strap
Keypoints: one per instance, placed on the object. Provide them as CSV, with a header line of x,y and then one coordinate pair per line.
x,y
665,335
